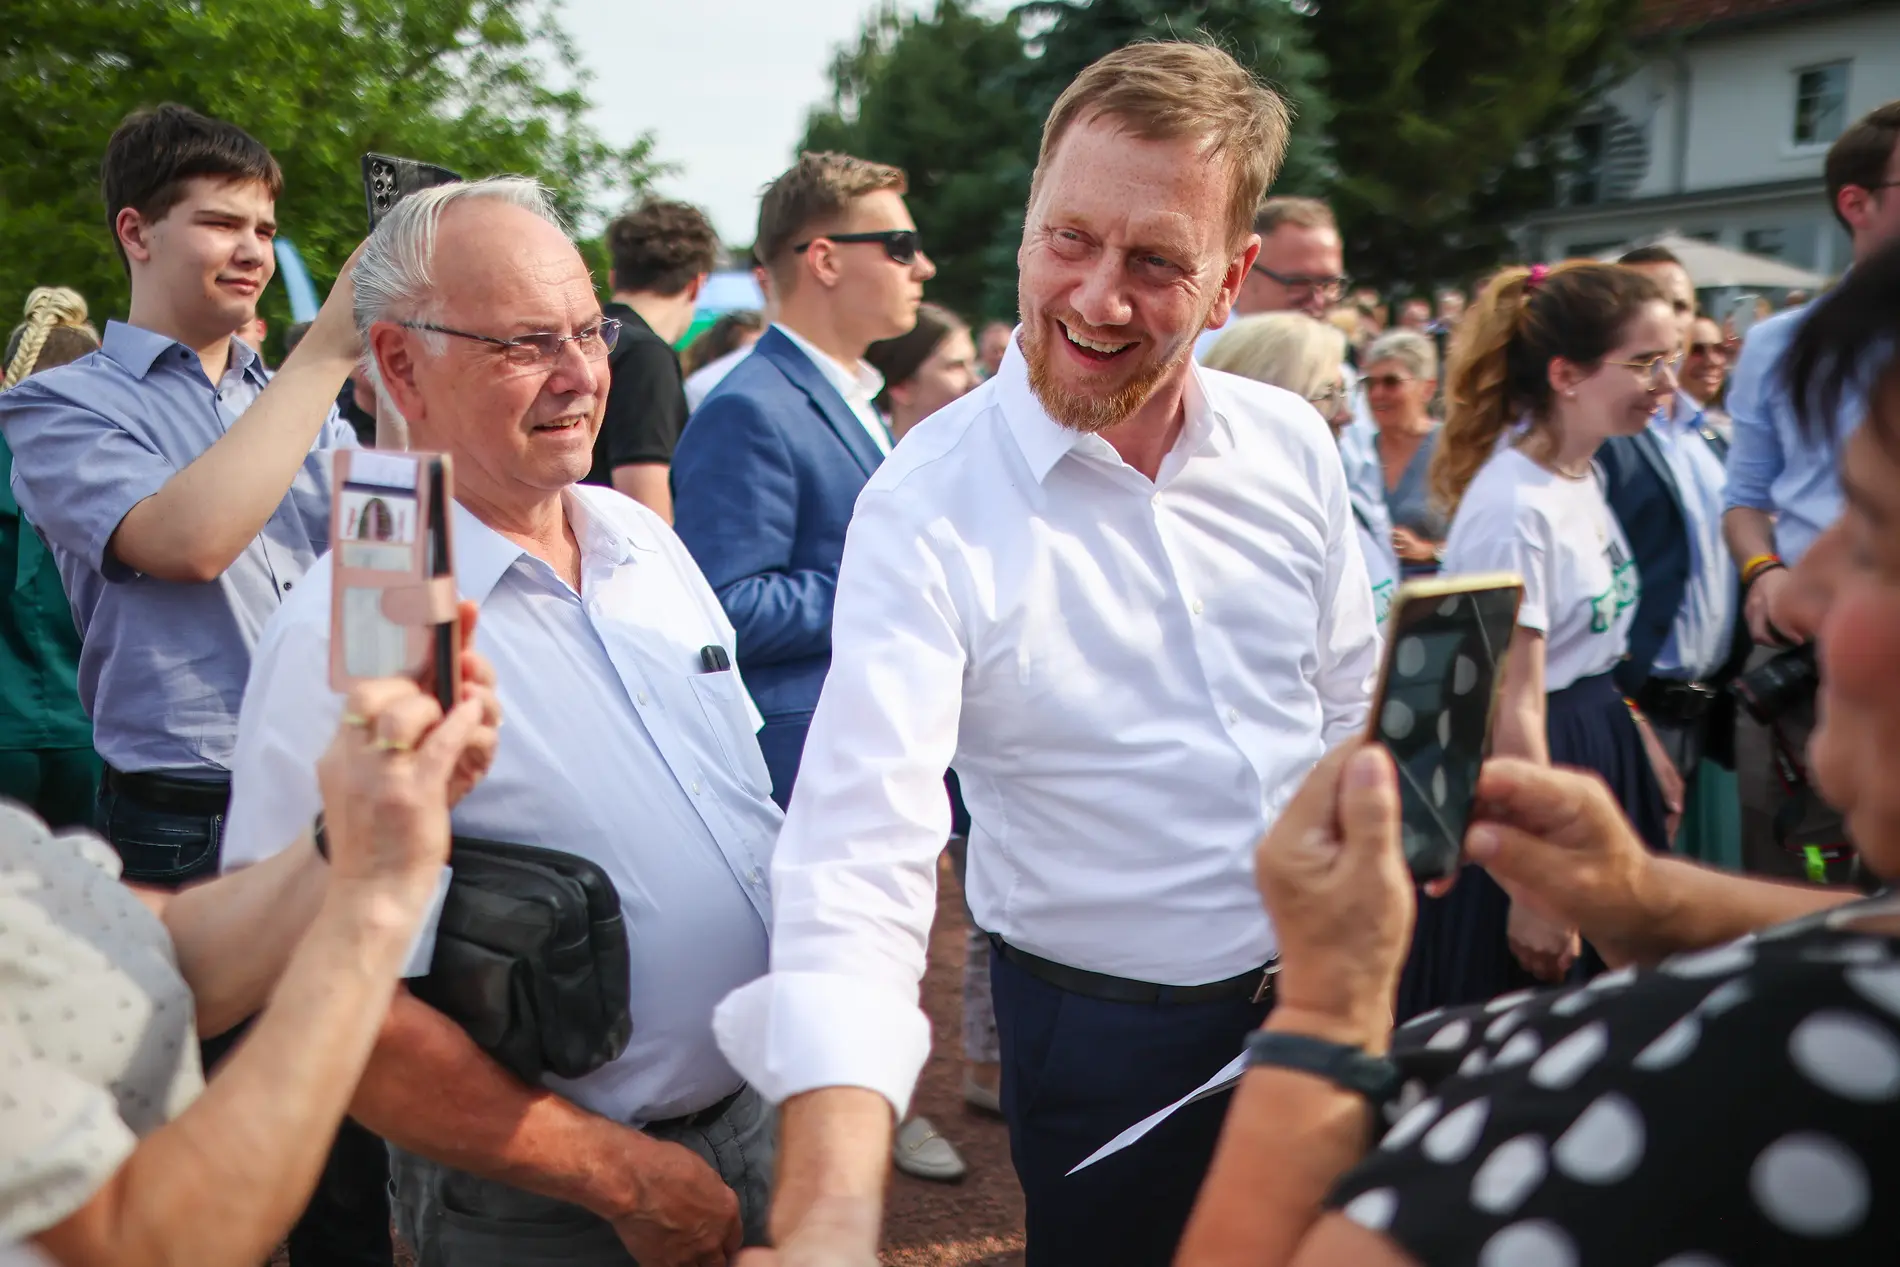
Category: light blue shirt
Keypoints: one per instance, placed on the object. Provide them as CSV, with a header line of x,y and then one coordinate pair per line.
x,y
1771,466
162,664
617,746
1698,643
1365,474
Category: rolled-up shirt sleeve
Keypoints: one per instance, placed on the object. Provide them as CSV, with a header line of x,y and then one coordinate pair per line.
x,y
854,874
76,473
1755,458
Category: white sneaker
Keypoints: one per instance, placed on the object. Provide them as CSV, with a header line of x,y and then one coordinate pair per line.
x,y
921,1153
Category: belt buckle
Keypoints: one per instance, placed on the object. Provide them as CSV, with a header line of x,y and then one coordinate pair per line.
x,y
1267,975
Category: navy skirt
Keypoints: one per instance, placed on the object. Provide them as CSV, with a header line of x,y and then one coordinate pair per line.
x,y
1459,952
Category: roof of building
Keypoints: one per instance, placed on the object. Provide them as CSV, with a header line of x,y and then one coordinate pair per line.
x,y
1668,17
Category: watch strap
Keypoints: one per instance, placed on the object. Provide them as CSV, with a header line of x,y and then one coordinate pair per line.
x,y
1352,1068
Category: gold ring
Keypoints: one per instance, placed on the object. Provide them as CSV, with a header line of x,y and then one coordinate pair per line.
x,y
356,719
382,744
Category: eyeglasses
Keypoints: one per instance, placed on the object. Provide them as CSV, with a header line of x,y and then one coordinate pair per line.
x,y
1329,401
1655,371
1327,288
901,245
539,350
1708,349
1391,382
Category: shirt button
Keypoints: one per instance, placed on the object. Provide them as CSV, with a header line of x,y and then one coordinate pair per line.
x,y
1155,500
642,697
1199,607
695,787
287,588
1233,716
754,876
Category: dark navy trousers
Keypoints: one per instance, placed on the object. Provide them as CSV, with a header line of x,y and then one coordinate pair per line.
x,y
1077,1072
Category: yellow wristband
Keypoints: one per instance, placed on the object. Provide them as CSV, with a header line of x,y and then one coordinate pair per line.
x,y
1759,564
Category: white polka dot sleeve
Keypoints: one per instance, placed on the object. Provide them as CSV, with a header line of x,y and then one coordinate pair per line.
x,y
61,1138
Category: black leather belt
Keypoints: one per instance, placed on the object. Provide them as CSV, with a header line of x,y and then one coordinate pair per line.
x,y
1676,702
705,1117
1255,985
176,793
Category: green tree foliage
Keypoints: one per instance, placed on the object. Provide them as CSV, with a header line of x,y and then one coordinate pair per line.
x,y
1450,118
935,96
466,83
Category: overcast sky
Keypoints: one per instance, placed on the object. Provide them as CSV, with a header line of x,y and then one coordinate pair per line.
x,y
723,85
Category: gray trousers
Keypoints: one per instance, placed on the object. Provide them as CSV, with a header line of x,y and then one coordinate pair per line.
x,y
458,1220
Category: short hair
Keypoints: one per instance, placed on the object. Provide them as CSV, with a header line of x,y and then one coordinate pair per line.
x,y
1859,155
154,152
1285,349
816,191
54,333
1307,213
395,272
1175,89
660,246
721,338
899,359
1651,256
1416,352
1845,347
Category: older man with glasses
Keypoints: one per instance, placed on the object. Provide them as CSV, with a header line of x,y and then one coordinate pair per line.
x,y
630,742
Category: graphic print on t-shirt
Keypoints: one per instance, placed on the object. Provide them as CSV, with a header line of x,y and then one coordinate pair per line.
x,y
1624,589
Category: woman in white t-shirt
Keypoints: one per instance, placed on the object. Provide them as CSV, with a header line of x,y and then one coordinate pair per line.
x,y
1549,363
1308,357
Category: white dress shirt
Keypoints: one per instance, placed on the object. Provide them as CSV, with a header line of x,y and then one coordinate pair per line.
x,y
859,386
1130,678
615,746
700,382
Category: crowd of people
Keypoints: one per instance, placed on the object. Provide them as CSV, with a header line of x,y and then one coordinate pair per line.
x,y
1092,602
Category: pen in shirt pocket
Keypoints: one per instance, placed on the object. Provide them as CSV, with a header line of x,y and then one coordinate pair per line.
x,y
713,659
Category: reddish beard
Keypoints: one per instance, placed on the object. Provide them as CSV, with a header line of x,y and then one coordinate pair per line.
x,y
1089,413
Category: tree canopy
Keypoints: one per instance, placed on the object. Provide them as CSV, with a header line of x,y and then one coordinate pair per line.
x,y
465,83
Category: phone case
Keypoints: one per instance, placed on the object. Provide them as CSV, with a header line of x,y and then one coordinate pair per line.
x,y
387,181
393,600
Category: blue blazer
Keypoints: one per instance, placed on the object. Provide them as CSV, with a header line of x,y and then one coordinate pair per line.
x,y
1641,489
764,479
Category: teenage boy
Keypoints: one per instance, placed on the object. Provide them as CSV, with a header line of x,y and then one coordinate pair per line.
x,y
182,489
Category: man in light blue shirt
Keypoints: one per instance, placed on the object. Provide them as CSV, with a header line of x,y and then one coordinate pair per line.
x,y
1784,490
181,490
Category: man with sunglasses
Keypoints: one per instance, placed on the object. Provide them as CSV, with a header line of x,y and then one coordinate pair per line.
x,y
772,462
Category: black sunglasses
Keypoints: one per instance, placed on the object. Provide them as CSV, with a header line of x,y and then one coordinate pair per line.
x,y
901,245
1708,349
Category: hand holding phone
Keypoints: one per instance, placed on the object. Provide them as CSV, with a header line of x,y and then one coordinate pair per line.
x,y
1446,642
393,609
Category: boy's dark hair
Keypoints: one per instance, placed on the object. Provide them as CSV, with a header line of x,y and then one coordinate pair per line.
x,y
155,151
1859,155
661,246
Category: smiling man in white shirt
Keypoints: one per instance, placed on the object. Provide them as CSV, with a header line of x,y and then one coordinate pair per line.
x,y
629,742
1123,597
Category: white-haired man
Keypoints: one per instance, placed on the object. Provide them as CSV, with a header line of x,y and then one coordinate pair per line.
x,y
486,336
1123,598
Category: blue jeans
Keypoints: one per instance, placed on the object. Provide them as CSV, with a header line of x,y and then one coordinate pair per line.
x,y
161,847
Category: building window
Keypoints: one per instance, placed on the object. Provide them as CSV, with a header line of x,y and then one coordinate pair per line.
x,y
1586,177
1820,103
1770,242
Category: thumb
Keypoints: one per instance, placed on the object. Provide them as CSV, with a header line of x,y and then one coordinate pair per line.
x,y
1369,804
1509,854
443,747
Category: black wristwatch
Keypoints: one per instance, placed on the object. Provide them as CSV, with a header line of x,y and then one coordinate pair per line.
x,y
1374,1077
320,838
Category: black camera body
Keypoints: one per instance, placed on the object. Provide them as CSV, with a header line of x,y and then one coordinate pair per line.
x,y
1770,689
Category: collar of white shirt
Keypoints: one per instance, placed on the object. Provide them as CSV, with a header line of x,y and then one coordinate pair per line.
x,y
859,386
483,555
1044,441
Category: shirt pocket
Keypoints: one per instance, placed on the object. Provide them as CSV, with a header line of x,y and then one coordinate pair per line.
x,y
731,723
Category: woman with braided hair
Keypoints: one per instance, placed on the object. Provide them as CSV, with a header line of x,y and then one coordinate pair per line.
x,y
46,757
1547,365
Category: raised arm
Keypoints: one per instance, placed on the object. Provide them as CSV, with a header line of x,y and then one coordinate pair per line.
x,y
197,524
835,1031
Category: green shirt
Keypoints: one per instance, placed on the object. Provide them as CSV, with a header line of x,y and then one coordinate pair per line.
x,y
39,648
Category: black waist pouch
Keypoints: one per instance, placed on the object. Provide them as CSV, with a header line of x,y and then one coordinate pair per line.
x,y
531,959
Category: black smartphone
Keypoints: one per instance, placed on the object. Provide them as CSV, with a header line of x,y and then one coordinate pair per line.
x,y
1446,642
387,181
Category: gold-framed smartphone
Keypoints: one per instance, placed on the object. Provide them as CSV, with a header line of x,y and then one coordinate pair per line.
x,y
1447,640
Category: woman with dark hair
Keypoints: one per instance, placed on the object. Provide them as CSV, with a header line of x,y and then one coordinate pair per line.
x,y
924,370
47,762
1729,1097
1548,364
729,332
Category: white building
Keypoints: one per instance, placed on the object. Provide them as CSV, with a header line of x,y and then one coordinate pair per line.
x,y
1721,133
